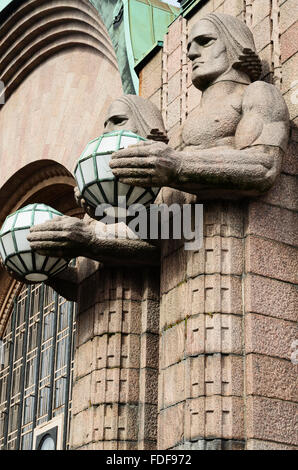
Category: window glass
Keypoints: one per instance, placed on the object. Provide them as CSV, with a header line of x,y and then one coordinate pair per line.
x,y
36,364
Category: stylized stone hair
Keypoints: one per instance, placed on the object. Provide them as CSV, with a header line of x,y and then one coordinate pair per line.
x,y
147,116
240,44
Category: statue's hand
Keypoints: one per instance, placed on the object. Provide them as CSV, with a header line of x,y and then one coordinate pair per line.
x,y
146,164
81,202
63,237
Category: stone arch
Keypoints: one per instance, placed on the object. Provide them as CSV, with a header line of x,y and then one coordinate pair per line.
x,y
60,72
37,29
43,181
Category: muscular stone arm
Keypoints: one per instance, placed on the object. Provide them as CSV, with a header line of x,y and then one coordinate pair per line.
x,y
250,171
249,166
122,252
69,237
111,252
260,141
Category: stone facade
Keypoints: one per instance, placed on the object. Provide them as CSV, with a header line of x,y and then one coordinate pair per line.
x,y
196,354
220,349
116,368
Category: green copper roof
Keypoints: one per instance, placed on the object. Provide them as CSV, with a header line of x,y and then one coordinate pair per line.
x,y
134,26
147,21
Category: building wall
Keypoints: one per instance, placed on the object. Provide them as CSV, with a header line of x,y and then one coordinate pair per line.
x,y
60,74
116,361
226,376
224,316
54,64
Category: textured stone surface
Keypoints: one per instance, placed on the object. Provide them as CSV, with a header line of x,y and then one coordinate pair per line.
x,y
270,297
273,259
116,368
148,386
255,444
288,41
290,163
218,255
150,78
201,362
213,334
233,7
214,293
172,345
172,385
170,275
85,326
174,110
205,381
269,336
170,426
173,307
270,419
83,361
287,14
148,350
150,316
174,33
174,62
283,193
193,98
289,73
201,376
259,11
82,428
81,394
271,377
211,444
262,32
214,416
174,89
273,222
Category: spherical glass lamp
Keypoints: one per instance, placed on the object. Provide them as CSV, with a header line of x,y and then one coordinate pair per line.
x,y
15,249
95,178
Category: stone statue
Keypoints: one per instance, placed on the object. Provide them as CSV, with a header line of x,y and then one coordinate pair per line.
x,y
71,237
233,146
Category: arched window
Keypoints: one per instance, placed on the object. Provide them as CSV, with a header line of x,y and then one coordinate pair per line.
x,y
36,364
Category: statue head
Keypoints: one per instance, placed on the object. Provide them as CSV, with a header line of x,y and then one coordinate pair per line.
x,y
222,47
136,114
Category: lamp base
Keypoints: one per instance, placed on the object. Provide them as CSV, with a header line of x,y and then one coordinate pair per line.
x,y
36,277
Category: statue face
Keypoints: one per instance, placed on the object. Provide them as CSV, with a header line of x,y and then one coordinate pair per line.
x,y
208,54
119,117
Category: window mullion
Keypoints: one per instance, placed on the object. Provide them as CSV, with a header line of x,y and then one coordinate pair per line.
x,y
11,356
39,339
52,370
23,369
